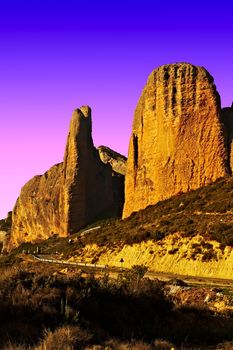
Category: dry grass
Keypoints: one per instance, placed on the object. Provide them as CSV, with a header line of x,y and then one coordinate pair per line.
x,y
113,344
161,344
10,346
64,338
130,307
225,346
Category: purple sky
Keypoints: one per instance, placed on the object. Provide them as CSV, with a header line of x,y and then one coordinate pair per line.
x,y
58,55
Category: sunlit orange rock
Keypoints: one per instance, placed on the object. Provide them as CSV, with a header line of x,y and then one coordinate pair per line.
x,y
177,142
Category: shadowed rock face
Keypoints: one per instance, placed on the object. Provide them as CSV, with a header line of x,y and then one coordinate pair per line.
x,y
118,164
177,142
116,160
227,117
87,191
71,194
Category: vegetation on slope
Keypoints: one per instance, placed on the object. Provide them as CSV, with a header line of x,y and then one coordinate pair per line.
x,y
207,211
78,312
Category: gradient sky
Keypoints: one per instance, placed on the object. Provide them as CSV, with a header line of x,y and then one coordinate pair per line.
x,y
58,55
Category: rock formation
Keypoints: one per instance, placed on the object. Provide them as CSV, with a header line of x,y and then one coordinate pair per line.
x,y
227,117
177,142
71,194
116,160
118,164
36,212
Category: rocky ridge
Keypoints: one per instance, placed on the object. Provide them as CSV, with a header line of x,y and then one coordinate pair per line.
x,y
181,140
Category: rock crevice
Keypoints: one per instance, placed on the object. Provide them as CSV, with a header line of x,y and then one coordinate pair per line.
x,y
227,118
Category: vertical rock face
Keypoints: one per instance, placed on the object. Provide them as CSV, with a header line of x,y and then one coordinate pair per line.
x,y
36,212
86,182
227,117
177,142
71,194
118,164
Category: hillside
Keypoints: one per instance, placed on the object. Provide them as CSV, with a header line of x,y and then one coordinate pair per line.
x,y
188,234
191,233
207,211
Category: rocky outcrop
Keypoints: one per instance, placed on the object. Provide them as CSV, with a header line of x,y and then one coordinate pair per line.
x,y
116,160
177,142
87,187
71,194
227,117
36,212
118,164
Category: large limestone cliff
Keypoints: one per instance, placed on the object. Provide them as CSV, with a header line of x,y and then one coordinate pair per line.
x,y
177,142
71,194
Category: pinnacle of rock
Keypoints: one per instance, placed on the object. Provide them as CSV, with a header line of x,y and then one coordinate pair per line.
x,y
86,180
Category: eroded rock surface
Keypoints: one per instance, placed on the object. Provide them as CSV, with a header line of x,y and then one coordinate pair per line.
x,y
36,212
115,159
87,187
177,141
71,194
